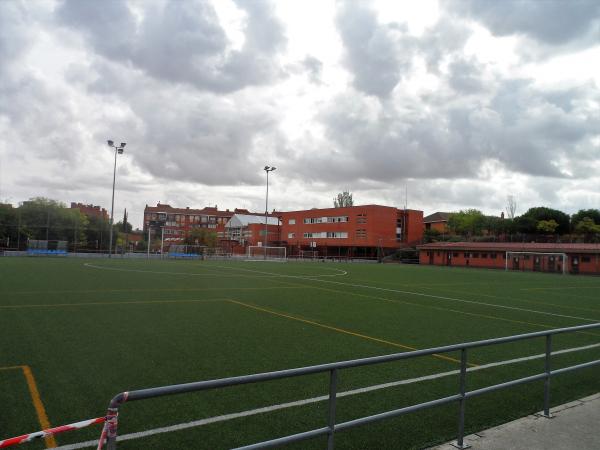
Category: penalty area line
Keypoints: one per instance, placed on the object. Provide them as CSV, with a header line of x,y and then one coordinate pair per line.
x,y
321,398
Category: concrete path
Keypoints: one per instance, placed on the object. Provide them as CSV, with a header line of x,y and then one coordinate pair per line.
x,y
575,426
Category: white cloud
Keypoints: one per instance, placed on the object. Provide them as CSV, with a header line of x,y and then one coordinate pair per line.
x,y
461,101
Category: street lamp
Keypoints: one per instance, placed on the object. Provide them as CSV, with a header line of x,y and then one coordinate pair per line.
x,y
118,149
267,169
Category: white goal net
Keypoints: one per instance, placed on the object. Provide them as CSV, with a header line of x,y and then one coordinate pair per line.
x,y
258,253
536,262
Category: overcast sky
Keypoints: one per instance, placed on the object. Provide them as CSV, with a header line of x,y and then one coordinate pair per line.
x,y
462,102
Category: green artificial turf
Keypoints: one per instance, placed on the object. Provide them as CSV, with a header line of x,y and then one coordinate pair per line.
x,y
89,329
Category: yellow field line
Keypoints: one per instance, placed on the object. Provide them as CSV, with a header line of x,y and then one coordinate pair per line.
x,y
37,401
115,303
341,330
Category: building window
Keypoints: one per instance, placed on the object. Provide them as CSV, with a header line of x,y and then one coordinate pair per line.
x,y
292,222
484,255
291,235
493,255
361,233
475,255
361,218
337,234
585,259
466,255
455,255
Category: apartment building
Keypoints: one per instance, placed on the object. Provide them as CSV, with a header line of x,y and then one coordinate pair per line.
x,y
350,231
91,210
177,222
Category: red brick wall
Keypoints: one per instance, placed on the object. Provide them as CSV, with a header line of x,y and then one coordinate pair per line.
x,y
367,226
588,263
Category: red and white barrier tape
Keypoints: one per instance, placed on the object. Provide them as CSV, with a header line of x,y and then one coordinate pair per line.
x,y
49,432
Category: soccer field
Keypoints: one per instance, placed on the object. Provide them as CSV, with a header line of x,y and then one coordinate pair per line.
x,y
76,332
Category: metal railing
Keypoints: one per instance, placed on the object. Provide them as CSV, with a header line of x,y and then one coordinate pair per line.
x,y
109,432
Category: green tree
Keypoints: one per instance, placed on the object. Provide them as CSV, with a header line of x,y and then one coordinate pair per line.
x,y
470,222
201,236
343,199
588,228
547,226
47,219
537,214
593,214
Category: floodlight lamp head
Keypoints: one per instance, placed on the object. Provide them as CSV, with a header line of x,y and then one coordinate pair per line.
x,y
110,143
273,168
120,150
123,144
267,168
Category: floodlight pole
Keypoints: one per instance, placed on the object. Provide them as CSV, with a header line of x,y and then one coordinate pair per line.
x,y
267,169
119,150
162,240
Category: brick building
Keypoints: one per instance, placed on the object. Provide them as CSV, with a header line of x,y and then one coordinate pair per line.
x,y
90,210
437,221
244,230
351,231
177,222
580,258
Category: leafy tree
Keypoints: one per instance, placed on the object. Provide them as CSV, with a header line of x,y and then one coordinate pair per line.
x,y
511,206
587,227
343,199
201,236
44,218
96,233
469,222
593,214
547,226
537,214
8,222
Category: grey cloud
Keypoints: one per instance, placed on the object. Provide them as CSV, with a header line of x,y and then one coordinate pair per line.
x,y
446,37
550,22
15,34
465,76
314,68
377,55
516,127
182,41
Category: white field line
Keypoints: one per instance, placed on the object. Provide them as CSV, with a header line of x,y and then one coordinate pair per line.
x,y
452,299
365,286
266,409
217,275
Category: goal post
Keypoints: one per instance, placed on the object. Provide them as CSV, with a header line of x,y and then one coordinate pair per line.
x,y
258,253
308,254
536,261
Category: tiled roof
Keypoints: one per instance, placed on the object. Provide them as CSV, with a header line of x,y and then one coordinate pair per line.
x,y
514,246
437,217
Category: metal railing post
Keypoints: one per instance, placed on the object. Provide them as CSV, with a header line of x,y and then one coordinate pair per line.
x,y
547,379
110,430
461,403
332,400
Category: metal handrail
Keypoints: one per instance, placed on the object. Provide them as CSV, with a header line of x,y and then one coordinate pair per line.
x,y
109,432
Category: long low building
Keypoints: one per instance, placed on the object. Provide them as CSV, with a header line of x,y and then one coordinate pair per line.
x,y
537,257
